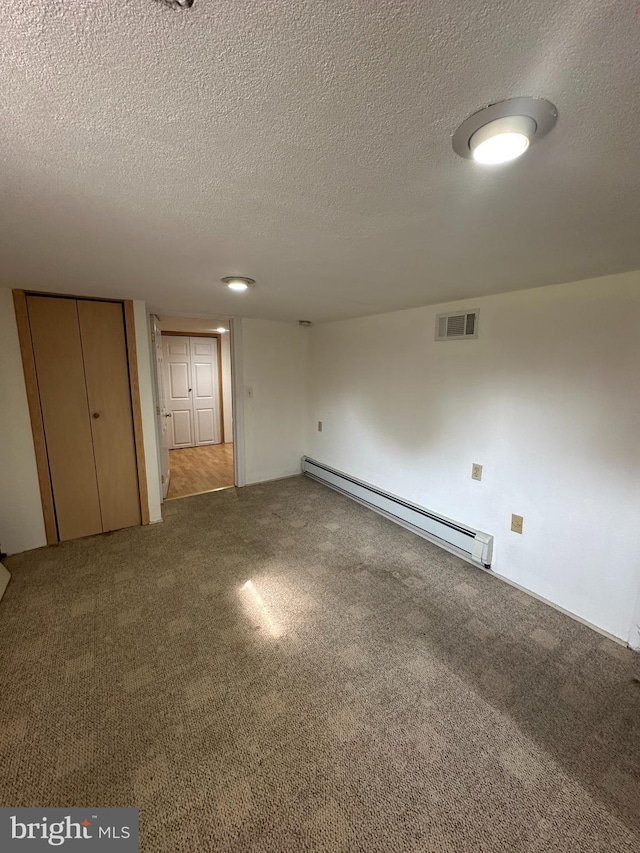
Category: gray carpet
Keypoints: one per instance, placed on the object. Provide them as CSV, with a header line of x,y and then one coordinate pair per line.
x,y
279,669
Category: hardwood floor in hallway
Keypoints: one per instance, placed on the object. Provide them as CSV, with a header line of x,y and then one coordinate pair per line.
x,y
200,469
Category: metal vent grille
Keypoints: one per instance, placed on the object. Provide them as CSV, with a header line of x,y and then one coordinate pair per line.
x,y
457,326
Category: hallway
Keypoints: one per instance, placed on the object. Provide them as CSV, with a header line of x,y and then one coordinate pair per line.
x,y
200,469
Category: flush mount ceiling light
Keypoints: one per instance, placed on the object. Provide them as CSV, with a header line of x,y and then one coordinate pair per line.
x,y
221,329
503,131
178,4
238,282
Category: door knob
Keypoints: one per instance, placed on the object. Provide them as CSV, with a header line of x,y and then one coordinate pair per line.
x,y
96,414
168,415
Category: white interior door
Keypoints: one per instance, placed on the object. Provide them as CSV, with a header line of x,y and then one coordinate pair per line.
x,y
177,373
163,420
206,391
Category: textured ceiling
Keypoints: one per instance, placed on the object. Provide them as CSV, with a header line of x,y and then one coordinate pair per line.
x,y
147,152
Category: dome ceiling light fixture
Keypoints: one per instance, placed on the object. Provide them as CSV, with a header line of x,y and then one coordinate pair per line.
x,y
178,4
221,330
238,283
503,131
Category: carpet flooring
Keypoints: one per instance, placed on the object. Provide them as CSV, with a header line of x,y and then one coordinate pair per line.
x,y
276,668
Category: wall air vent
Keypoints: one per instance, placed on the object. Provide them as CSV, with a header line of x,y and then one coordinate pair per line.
x,y
457,326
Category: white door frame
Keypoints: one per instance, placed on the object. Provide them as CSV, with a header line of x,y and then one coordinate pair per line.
x,y
154,333
634,633
237,402
161,410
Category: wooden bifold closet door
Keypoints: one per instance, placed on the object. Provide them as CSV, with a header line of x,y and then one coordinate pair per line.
x,y
80,355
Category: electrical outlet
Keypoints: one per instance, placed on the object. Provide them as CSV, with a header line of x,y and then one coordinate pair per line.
x,y
319,426
516,523
248,390
476,472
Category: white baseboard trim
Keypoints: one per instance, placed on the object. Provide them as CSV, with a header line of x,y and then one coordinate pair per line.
x,y
274,479
555,606
5,577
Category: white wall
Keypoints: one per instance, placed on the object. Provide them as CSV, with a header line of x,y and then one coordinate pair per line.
x,y
546,399
146,377
193,326
274,365
21,521
634,633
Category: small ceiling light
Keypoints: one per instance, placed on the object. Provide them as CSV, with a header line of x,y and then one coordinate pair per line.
x,y
178,4
503,131
502,140
221,329
237,282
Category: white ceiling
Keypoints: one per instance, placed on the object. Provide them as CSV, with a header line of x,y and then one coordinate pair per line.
x,y
147,152
189,325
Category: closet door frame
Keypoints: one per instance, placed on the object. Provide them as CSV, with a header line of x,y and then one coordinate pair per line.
x,y
35,412
219,351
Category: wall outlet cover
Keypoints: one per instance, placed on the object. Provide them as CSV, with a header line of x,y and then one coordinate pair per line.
x,y
319,426
516,523
476,471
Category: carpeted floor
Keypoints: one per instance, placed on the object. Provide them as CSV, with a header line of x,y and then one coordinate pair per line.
x,y
278,669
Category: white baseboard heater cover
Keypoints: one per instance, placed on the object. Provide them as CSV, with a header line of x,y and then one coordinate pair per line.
x,y
470,544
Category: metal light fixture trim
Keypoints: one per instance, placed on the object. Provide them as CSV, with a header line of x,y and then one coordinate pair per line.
x,y
533,118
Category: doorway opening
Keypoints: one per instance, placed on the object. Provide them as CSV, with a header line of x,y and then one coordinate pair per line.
x,y
195,417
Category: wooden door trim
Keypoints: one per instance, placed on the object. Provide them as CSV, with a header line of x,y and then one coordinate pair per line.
x,y
55,295
35,415
136,406
219,348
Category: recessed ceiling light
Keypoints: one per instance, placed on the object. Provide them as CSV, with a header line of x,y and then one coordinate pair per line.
x,y
221,329
238,282
503,131
502,140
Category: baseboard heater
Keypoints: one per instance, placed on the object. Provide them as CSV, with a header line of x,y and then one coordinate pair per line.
x,y
464,541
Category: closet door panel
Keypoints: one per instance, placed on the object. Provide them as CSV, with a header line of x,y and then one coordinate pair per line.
x,y
57,350
109,394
